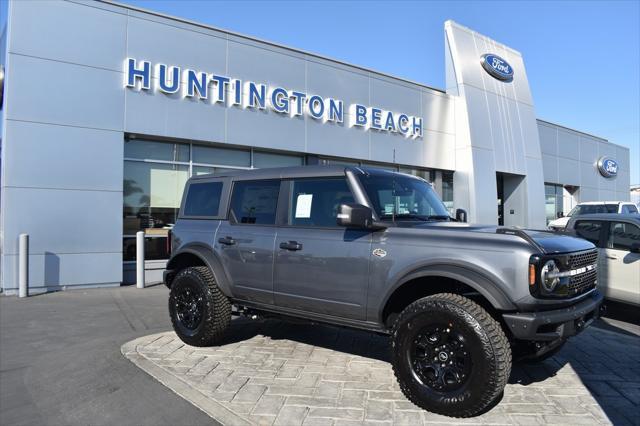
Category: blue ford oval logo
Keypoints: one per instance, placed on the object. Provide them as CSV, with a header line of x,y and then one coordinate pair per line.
x,y
608,167
497,67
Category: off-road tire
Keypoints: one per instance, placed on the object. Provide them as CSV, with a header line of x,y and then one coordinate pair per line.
x,y
215,307
484,338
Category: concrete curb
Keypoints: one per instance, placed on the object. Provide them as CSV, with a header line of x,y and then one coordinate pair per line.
x,y
213,409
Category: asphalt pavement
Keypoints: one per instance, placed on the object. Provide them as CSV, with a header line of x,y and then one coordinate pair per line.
x,y
60,360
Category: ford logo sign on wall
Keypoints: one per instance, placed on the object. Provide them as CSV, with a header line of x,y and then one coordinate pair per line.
x,y
497,67
608,167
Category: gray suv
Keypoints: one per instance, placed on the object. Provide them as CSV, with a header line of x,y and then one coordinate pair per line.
x,y
378,251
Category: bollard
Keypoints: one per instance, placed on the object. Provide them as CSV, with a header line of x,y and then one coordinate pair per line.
x,y
140,259
23,268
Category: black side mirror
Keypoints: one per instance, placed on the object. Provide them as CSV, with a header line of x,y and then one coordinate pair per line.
x,y
355,216
635,248
560,214
461,215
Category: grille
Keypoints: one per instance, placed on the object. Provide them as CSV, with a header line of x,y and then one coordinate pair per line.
x,y
582,283
583,259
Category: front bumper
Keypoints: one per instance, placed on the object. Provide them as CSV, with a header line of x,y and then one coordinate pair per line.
x,y
555,324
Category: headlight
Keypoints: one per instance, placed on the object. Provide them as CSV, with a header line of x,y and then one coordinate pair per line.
x,y
548,275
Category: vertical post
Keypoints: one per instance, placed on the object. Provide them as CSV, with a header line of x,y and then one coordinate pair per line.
x,y
23,268
140,259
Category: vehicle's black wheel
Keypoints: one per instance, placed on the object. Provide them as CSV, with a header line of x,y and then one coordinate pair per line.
x,y
524,352
449,355
200,312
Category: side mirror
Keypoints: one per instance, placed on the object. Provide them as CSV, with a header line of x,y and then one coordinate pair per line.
x,y
635,248
560,214
355,216
461,215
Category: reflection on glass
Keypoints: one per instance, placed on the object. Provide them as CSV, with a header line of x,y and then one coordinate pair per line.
x,y
221,156
268,159
150,150
152,195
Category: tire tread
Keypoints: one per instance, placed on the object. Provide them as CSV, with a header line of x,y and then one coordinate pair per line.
x,y
493,337
218,312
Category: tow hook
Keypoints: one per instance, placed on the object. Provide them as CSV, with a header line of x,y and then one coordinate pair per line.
x,y
603,310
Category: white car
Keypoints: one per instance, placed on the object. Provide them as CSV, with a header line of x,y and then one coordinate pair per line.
x,y
617,238
593,207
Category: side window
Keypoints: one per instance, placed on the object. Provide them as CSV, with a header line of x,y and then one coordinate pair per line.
x,y
315,202
203,199
255,202
623,235
589,230
629,208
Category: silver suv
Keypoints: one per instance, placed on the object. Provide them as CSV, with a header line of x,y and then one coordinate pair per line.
x,y
378,251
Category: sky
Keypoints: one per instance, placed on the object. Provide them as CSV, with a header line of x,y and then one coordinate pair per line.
x,y
582,57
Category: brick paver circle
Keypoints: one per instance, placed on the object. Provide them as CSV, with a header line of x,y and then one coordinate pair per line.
x,y
272,372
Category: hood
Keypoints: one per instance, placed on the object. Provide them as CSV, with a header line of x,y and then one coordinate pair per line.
x,y
562,221
545,241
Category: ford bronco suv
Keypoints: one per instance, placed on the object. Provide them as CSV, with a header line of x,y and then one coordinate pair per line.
x,y
378,251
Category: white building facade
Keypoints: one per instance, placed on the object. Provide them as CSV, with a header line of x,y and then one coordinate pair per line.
x,y
108,109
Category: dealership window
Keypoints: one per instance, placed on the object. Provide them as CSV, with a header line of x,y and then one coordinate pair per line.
x,y
155,173
553,196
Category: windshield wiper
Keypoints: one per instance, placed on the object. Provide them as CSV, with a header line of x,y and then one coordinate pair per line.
x,y
404,216
438,217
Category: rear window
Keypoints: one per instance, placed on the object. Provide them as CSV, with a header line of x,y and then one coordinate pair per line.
x,y
255,202
593,209
203,199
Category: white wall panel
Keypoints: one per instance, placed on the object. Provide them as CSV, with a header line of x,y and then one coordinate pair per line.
x,y
568,144
63,221
67,32
63,157
77,95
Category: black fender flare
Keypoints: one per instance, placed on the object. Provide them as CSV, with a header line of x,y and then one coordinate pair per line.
x,y
477,279
210,259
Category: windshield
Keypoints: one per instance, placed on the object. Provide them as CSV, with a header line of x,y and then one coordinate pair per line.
x,y
403,197
593,208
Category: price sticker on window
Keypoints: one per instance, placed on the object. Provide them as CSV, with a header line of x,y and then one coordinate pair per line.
x,y
303,206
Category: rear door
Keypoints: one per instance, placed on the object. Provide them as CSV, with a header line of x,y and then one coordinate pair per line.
x,y
246,240
621,270
319,266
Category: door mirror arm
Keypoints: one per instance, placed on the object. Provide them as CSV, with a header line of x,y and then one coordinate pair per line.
x,y
461,215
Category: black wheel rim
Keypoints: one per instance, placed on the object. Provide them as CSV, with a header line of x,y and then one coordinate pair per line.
x,y
189,307
440,357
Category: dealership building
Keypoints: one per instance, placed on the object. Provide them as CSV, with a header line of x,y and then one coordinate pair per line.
x,y
108,109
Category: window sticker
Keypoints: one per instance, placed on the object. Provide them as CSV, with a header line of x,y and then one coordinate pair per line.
x,y
303,206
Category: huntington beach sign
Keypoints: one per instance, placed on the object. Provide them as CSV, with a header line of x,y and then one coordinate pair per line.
x,y
230,92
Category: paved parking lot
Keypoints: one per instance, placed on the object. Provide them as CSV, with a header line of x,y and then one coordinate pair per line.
x,y
270,372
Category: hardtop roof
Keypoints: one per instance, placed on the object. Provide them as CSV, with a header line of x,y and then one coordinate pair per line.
x,y
296,172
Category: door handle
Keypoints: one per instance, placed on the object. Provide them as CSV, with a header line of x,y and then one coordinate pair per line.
x,y
227,241
291,245
613,257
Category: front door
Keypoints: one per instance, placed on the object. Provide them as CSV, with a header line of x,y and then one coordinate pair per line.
x,y
245,242
319,266
621,270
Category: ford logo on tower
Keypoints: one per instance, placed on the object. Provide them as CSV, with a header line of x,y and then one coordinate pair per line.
x,y
497,67
608,167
